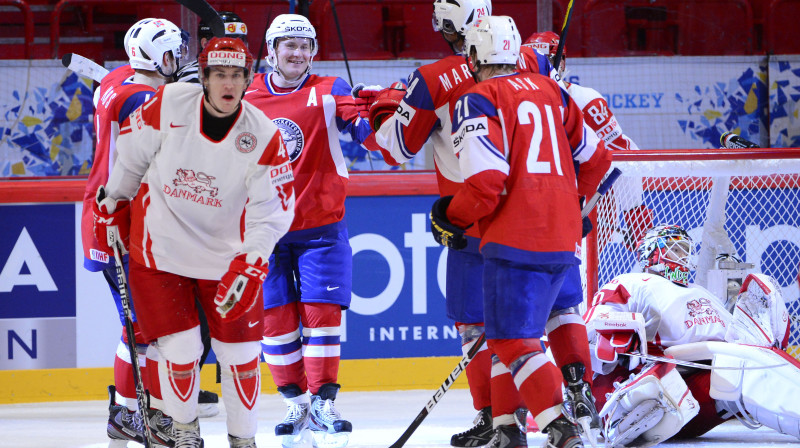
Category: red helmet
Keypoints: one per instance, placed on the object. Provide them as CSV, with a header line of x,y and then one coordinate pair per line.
x,y
546,43
228,52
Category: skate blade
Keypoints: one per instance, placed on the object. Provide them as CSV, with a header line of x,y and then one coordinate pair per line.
x,y
303,439
591,434
323,439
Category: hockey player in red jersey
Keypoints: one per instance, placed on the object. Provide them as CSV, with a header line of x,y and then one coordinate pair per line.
x,y
424,114
518,138
732,363
120,93
311,277
599,117
213,194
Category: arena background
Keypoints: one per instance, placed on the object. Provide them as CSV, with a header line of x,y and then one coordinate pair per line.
x,y
58,329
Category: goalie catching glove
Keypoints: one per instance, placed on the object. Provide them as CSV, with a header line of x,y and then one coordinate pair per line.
x,y
240,287
444,232
379,103
111,222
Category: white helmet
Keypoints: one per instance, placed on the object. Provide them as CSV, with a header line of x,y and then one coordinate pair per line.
x,y
289,25
148,40
494,39
454,16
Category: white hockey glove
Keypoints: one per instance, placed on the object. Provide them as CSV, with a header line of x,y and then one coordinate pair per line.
x,y
760,316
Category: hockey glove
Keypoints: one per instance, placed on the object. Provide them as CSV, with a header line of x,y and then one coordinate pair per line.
x,y
638,220
240,287
112,222
364,96
587,226
444,232
385,103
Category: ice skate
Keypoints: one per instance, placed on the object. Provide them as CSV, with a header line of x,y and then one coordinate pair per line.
x,y
207,404
160,428
294,428
325,422
187,435
508,436
123,425
562,433
480,434
578,402
238,442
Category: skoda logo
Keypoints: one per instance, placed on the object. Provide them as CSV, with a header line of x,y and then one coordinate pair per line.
x,y
292,137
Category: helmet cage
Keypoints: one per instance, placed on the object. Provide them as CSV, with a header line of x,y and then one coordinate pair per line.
x,y
667,251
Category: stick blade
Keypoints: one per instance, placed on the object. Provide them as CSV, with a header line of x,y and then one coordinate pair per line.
x,y
207,14
66,60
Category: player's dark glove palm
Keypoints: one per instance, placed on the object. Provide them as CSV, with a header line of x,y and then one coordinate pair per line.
x,y
444,232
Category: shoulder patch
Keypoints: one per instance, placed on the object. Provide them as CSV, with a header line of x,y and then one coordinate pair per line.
x,y
281,174
405,113
473,127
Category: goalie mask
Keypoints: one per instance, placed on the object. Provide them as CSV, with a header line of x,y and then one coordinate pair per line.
x,y
234,27
454,16
667,251
493,40
289,26
149,40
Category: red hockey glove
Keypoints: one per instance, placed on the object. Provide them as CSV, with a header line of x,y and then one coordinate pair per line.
x,y
240,285
638,220
386,102
112,222
364,96
444,232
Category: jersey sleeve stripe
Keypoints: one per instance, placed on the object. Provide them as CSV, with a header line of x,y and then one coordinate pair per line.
x,y
401,141
492,149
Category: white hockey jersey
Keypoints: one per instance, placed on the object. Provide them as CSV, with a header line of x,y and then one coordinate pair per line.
x,y
599,117
201,202
673,314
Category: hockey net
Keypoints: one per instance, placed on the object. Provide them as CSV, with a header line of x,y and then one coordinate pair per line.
x,y
740,202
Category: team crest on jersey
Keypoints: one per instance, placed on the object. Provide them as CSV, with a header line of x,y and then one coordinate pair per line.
x,y
701,313
292,137
246,142
199,183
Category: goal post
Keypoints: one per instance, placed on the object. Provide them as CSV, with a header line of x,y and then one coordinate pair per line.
x,y
742,202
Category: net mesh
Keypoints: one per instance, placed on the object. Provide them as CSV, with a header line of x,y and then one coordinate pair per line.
x,y
747,208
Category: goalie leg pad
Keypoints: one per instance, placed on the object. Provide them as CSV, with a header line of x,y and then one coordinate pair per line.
x,y
649,408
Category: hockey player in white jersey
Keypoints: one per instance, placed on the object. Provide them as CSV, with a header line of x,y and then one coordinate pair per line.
x,y
658,313
211,192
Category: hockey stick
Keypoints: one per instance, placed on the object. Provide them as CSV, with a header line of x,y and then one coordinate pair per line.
x,y
733,141
601,190
695,364
562,37
83,66
462,365
141,399
207,14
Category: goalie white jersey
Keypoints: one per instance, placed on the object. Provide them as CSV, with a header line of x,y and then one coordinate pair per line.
x,y
195,212
673,314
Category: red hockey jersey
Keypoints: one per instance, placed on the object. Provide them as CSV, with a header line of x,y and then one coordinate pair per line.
x,y
117,99
310,119
518,138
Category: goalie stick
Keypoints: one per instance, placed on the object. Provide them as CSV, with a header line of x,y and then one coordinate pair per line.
x,y
462,365
84,66
207,14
